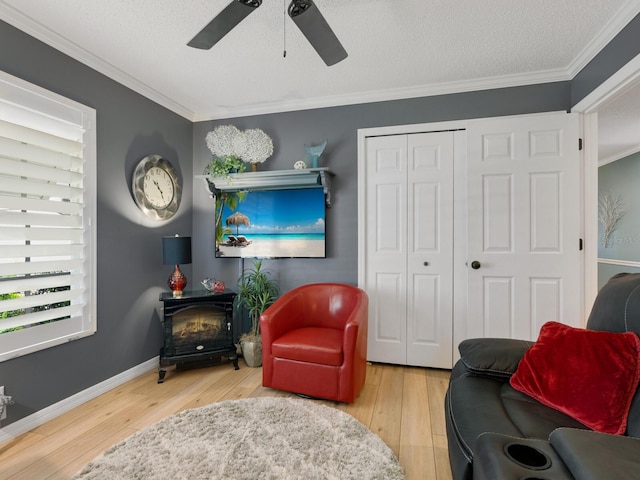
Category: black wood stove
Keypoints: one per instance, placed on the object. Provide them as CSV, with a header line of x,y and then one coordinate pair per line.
x,y
198,329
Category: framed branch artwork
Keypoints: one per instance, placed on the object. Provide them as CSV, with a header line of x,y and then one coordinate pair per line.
x,y
610,212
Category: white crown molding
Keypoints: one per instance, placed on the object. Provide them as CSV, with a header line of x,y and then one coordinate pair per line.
x,y
36,419
35,29
463,86
614,86
626,13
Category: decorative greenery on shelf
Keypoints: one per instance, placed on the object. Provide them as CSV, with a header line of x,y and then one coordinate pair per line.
x,y
256,291
223,166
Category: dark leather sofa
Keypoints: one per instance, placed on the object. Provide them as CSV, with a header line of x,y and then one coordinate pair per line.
x,y
495,432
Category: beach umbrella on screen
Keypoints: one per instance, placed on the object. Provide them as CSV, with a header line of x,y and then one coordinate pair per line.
x,y
237,219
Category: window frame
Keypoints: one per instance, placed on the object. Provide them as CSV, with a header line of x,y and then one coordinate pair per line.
x,y
17,94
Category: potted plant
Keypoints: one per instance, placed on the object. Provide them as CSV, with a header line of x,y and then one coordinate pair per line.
x,y
256,292
223,166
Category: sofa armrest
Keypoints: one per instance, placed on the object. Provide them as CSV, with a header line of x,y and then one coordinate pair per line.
x,y
506,457
592,455
492,357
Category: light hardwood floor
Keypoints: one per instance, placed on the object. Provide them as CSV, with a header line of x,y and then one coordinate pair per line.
x,y
403,405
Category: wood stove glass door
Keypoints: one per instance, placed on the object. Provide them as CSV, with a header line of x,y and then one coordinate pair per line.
x,y
199,329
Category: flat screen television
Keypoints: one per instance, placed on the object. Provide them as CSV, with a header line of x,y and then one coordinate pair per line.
x,y
273,224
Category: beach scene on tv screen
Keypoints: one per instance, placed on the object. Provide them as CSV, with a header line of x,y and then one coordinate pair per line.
x,y
275,223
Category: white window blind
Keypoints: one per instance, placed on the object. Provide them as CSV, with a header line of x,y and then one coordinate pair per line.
x,y
47,202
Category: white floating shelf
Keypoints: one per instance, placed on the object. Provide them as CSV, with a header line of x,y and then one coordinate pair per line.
x,y
272,180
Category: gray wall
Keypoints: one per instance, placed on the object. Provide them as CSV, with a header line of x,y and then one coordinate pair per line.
x,y
621,178
291,131
130,270
623,48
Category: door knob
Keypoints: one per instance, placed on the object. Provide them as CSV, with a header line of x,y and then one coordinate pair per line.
x,y
475,265
426,264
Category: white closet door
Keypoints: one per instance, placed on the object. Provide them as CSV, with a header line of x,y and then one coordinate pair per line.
x,y
409,242
386,250
430,250
523,224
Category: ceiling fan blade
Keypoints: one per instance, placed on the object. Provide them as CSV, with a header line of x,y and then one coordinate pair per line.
x,y
223,23
307,17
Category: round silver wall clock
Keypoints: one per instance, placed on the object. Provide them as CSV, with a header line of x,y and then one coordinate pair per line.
x,y
157,187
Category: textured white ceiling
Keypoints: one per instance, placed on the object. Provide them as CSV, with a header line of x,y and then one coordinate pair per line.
x,y
397,48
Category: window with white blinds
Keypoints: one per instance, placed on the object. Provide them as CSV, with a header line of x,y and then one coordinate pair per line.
x,y
47,203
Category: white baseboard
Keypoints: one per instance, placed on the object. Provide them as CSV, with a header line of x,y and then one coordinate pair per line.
x,y
34,420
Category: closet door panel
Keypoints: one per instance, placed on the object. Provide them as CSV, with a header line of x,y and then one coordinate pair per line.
x,y
430,249
386,252
389,298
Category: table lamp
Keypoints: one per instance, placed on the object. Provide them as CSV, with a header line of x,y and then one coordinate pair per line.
x,y
176,250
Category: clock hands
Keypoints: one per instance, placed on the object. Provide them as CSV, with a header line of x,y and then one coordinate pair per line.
x,y
156,187
155,182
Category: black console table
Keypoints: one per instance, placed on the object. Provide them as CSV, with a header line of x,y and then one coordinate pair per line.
x,y
198,328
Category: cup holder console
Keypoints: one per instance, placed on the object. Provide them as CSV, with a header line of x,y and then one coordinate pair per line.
x,y
527,456
511,458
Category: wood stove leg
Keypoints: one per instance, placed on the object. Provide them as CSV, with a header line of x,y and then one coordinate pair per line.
x,y
162,371
234,359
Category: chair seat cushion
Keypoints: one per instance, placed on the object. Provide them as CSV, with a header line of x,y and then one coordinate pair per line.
x,y
310,344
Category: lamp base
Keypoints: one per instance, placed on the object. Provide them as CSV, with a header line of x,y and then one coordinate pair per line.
x,y
177,281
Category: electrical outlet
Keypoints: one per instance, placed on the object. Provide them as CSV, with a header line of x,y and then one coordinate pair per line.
x,y
4,410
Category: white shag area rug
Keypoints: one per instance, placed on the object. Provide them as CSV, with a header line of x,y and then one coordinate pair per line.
x,y
254,438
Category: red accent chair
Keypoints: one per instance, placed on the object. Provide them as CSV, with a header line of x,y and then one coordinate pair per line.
x,y
314,341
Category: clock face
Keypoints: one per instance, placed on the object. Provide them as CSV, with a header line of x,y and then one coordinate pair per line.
x,y
157,187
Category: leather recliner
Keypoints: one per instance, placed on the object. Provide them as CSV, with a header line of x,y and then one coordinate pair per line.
x,y
314,341
485,416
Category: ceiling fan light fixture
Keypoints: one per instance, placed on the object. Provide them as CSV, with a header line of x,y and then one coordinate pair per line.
x,y
298,7
308,18
223,23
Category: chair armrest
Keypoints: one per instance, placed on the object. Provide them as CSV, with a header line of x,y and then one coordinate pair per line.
x,y
354,368
492,357
592,455
275,321
280,317
356,331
